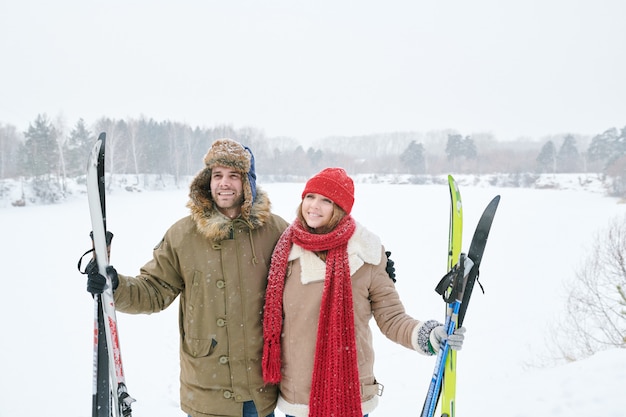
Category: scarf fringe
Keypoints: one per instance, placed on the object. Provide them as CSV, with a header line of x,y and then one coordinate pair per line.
x,y
271,365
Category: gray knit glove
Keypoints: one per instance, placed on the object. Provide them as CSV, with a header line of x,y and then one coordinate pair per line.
x,y
439,334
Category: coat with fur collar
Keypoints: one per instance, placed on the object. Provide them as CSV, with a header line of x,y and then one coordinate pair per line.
x,y
218,267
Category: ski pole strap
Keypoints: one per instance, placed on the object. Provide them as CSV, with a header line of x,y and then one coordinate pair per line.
x,y
450,287
80,261
445,284
109,238
479,283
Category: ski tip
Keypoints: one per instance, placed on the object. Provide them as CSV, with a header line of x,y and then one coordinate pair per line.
x,y
454,187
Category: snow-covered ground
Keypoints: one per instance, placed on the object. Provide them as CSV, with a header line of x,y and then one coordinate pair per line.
x,y
537,240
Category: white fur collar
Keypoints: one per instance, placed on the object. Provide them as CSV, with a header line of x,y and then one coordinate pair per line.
x,y
363,247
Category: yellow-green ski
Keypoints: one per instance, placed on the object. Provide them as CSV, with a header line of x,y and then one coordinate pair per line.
x,y
455,241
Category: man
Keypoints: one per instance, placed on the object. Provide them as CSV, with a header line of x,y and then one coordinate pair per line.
x,y
217,260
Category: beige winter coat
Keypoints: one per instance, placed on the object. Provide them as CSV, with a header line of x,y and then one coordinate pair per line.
x,y
374,295
219,268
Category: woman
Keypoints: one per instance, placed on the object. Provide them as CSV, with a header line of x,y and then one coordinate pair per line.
x,y
326,281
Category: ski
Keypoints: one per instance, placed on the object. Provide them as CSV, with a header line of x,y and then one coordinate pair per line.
x,y
108,373
476,251
101,388
455,242
456,288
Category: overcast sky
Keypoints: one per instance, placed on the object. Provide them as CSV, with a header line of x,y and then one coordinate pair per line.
x,y
311,69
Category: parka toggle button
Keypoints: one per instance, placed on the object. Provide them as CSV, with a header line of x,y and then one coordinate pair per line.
x,y
220,284
221,322
223,360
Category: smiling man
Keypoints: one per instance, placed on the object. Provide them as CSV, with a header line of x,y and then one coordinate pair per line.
x,y
217,260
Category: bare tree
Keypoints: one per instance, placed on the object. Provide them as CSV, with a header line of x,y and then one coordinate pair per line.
x,y
10,142
596,307
133,129
60,127
116,132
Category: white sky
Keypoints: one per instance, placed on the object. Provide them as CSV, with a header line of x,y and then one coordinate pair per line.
x,y
309,69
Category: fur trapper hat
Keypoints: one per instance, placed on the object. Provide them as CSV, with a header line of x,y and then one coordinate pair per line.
x,y
333,183
231,154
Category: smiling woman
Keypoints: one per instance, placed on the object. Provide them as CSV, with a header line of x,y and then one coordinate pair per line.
x,y
327,280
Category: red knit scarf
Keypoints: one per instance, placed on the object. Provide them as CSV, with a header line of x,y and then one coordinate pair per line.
x,y
335,387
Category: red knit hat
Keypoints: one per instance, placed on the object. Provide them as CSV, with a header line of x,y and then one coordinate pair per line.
x,y
335,184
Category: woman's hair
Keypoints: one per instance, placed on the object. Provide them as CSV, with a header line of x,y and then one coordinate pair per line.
x,y
338,214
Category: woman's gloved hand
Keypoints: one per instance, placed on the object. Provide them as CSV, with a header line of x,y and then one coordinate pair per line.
x,y
439,334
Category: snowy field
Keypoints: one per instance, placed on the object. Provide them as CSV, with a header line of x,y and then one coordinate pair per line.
x,y
537,240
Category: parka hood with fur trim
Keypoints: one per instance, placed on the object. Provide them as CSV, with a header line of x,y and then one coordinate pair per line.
x,y
255,207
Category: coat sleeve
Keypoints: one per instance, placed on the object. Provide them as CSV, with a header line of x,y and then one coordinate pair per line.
x,y
389,311
157,285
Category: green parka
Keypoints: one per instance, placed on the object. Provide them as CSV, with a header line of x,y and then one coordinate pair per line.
x,y
219,268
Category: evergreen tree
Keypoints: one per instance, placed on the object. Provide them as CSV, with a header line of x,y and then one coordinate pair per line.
x,y
298,163
460,149
413,158
454,147
568,159
546,160
78,147
616,165
468,148
155,147
41,153
458,146
618,150
603,148
316,157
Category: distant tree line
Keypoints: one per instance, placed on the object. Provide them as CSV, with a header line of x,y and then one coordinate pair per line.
x,y
47,153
